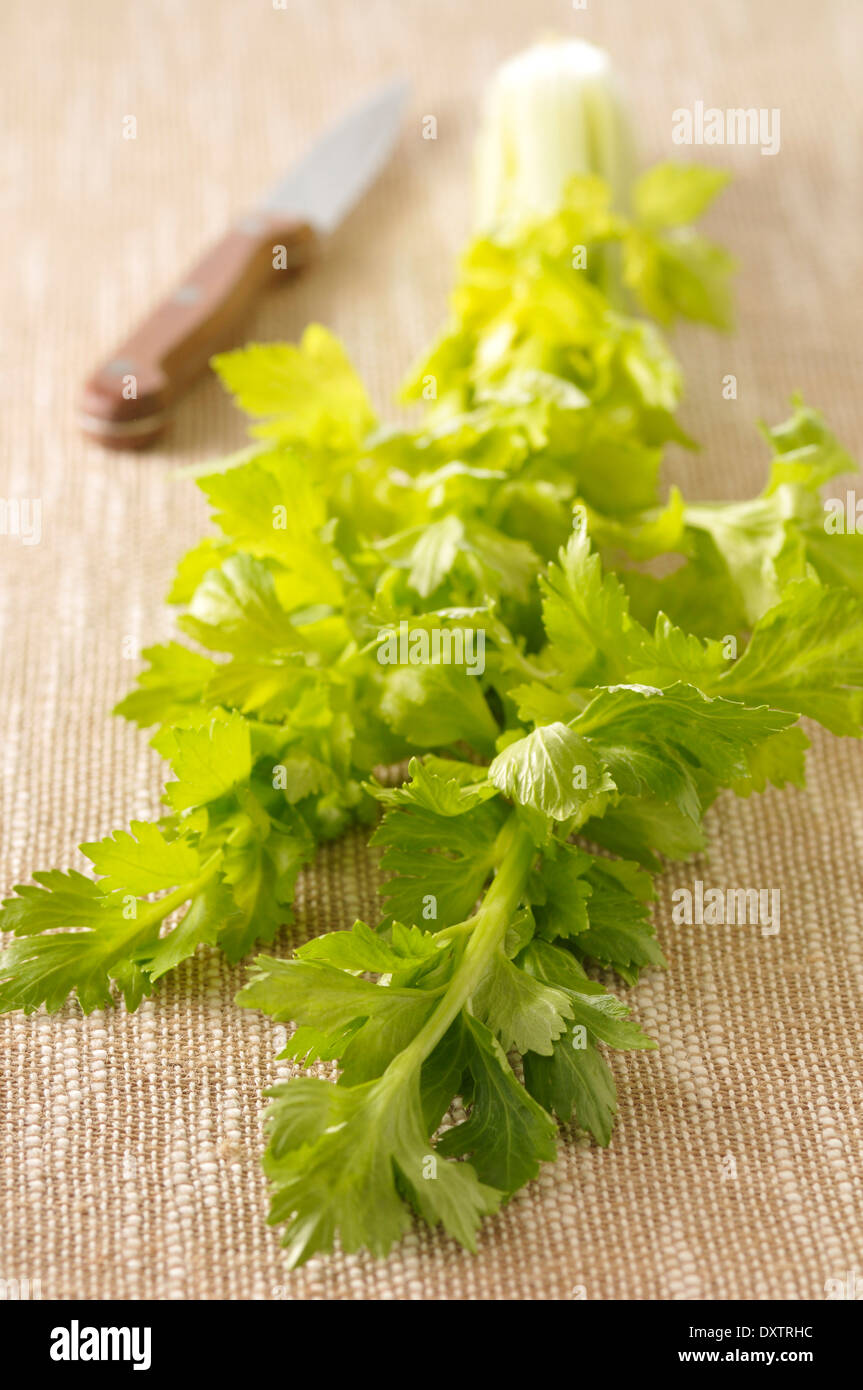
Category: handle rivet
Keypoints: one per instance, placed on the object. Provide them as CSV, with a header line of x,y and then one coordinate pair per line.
x,y
187,294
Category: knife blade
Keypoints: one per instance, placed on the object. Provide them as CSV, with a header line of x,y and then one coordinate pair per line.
x,y
126,401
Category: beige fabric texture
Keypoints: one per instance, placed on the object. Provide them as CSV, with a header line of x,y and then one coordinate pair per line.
x,y
129,1145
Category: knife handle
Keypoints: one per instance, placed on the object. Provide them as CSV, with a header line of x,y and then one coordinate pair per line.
x,y
126,401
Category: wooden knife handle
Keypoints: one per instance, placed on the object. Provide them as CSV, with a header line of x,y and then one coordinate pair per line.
x,y
126,401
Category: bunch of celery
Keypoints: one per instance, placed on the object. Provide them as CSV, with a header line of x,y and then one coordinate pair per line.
x,y
612,706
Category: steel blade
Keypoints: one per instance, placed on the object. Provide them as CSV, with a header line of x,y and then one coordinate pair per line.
x,y
340,166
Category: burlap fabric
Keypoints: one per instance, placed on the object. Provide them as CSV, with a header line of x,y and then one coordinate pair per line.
x,y
130,1145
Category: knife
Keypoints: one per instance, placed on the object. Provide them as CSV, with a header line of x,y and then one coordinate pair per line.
x,y
125,403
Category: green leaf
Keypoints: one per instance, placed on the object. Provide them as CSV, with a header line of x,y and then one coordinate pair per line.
x,y
60,900
176,681
207,555
340,1159
806,655
38,970
700,596
507,1135
644,535
555,772
642,828
620,935
363,950
838,558
143,861
604,1017
758,541
675,655
439,864
260,875
273,508
593,640
806,451
574,1083
779,761
713,732
200,925
433,788
308,393
428,552
438,705
679,275
236,609
523,1013
320,997
670,195
208,762
560,893
305,775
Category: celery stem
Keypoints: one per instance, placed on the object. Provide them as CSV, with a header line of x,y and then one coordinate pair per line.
x,y
157,911
514,854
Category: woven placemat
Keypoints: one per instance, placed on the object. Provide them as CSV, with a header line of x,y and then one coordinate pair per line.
x,y
129,1146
